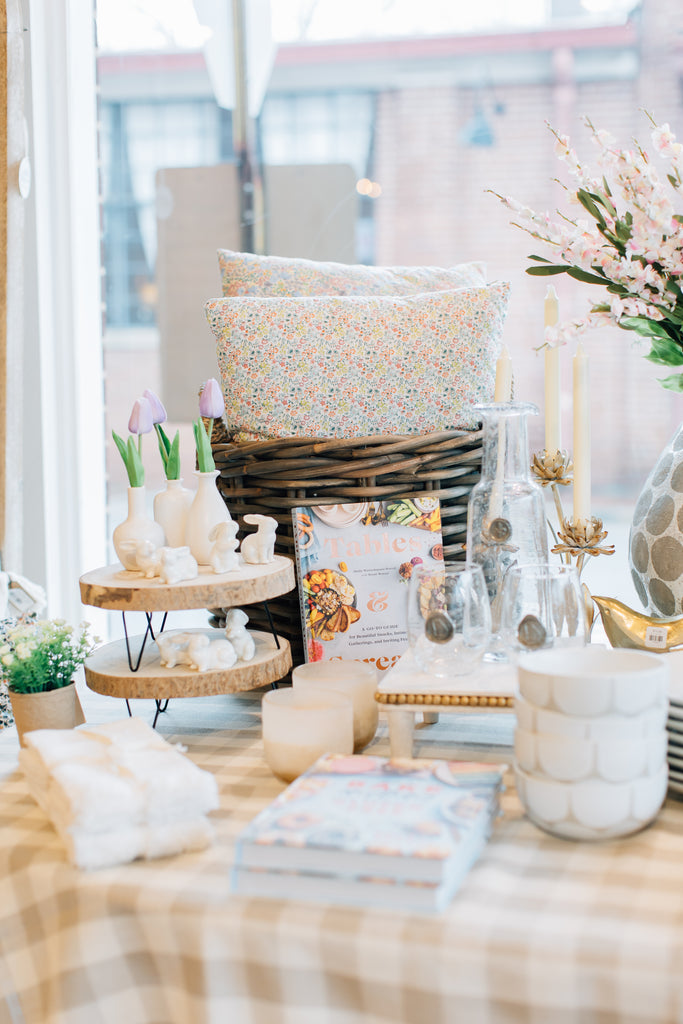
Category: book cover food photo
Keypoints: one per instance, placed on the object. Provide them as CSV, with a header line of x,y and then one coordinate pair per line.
x,y
354,563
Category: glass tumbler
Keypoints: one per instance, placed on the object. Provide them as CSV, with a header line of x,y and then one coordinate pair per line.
x,y
449,619
542,606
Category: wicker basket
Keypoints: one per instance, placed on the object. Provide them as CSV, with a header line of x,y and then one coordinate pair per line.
x,y
273,477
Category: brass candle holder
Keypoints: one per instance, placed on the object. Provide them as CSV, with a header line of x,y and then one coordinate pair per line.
x,y
577,538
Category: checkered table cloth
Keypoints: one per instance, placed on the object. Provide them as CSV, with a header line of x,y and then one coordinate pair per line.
x,y
543,931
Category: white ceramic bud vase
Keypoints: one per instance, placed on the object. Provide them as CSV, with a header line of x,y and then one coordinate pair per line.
x,y
137,526
207,509
170,511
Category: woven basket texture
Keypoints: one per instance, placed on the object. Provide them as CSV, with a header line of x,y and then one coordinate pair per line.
x,y
272,477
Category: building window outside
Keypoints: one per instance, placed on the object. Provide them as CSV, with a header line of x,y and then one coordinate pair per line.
x,y
137,139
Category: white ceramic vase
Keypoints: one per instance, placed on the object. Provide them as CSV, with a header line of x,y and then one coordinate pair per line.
x,y
137,526
207,509
170,511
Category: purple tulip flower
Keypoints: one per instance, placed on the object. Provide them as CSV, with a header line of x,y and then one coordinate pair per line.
x,y
141,418
158,410
211,404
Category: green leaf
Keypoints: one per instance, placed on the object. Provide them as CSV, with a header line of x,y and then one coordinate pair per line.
x,y
665,352
136,472
539,259
673,383
173,462
587,200
547,270
586,276
203,445
646,328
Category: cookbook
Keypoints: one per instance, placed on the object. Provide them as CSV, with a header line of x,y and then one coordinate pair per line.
x,y
354,565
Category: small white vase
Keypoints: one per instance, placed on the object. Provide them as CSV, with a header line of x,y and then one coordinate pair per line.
x,y
207,509
137,526
170,511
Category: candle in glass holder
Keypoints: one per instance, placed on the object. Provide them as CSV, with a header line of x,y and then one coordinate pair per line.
x,y
300,725
354,678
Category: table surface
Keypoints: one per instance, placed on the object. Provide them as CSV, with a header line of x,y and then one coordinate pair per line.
x,y
543,931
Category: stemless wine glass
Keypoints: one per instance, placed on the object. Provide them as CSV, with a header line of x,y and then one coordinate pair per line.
x,y
541,606
449,618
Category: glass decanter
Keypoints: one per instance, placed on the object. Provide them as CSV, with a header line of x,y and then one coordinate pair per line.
x,y
506,521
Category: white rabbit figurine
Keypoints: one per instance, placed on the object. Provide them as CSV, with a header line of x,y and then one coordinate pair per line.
x,y
148,558
206,654
236,632
223,556
173,649
177,564
259,548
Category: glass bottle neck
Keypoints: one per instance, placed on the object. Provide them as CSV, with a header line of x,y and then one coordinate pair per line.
x,y
506,447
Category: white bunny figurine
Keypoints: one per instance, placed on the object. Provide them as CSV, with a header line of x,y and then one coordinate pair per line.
x,y
206,654
223,556
148,558
177,564
173,649
236,632
259,548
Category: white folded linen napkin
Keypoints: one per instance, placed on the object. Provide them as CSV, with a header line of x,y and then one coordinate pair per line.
x,y
91,850
122,774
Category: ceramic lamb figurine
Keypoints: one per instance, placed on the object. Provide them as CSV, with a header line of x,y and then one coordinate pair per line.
x,y
236,632
173,649
223,557
206,654
259,548
177,564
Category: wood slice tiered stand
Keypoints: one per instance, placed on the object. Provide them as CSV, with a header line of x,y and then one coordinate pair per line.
x,y
130,668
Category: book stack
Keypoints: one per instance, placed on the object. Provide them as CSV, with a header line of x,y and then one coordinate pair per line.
x,y
360,829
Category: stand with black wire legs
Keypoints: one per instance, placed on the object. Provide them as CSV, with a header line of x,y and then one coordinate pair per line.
x,y
130,668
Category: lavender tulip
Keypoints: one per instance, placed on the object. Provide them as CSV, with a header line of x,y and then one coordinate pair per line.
x,y
211,404
141,418
158,410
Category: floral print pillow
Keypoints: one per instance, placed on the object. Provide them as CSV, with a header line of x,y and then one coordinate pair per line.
x,y
349,366
243,273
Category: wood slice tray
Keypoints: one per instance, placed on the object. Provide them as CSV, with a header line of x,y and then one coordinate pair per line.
x,y
106,670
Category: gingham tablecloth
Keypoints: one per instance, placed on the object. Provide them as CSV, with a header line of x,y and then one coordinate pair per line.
x,y
543,931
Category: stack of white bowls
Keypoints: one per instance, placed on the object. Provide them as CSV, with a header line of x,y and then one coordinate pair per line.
x,y
591,740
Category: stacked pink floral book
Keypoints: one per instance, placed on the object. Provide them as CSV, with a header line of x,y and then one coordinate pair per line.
x,y
372,831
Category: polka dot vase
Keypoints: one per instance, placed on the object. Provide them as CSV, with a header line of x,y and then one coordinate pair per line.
x,y
656,540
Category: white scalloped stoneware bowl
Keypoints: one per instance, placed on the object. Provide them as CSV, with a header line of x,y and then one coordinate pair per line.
x,y
592,808
591,682
608,727
568,759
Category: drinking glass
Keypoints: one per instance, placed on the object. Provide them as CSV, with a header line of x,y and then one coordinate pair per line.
x,y
449,619
541,606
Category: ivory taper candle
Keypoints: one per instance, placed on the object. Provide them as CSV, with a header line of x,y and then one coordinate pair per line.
x,y
552,379
582,436
503,392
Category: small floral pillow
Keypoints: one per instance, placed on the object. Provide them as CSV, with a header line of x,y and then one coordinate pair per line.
x,y
349,366
243,273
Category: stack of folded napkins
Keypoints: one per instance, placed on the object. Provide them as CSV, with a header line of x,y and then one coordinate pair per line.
x,y
118,791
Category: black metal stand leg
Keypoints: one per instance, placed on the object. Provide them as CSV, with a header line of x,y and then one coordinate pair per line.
x,y
161,707
272,625
149,631
130,713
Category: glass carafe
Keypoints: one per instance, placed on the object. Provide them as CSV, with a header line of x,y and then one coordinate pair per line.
x,y
506,522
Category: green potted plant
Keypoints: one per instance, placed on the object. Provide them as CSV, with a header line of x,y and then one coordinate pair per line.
x,y
39,658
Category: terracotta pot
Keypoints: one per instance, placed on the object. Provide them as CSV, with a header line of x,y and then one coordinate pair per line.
x,y
53,709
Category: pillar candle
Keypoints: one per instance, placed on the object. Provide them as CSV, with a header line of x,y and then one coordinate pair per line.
x,y
552,380
503,392
353,678
298,727
582,436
